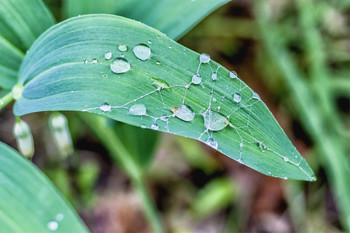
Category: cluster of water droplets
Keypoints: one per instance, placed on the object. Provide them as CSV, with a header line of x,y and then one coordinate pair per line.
x,y
213,118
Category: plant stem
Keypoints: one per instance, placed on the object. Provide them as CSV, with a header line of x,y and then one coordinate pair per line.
x,y
115,147
6,99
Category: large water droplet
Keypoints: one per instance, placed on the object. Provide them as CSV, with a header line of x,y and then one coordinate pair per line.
x,y
122,48
212,142
52,225
142,52
159,83
204,58
233,74
183,112
105,107
154,126
120,65
237,97
108,55
214,76
196,79
215,121
137,110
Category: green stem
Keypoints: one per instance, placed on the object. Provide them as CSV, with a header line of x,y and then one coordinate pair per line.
x,y
6,99
115,147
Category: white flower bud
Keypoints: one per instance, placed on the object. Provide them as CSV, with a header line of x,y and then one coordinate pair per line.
x,y
24,138
60,133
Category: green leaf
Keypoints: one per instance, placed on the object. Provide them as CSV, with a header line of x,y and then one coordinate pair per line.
x,y
21,22
173,18
30,203
66,69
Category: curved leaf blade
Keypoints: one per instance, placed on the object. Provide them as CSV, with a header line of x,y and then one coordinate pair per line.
x,y
21,22
173,18
56,78
30,203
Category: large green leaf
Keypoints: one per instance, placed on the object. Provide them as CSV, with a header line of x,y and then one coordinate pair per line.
x,y
66,69
21,22
29,201
172,17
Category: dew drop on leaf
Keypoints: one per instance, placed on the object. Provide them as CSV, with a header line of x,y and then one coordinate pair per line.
x,y
196,79
108,55
120,65
94,61
233,74
154,126
215,121
240,160
204,58
105,107
212,143
214,76
164,118
137,110
255,96
52,225
183,112
142,52
85,61
237,97
122,48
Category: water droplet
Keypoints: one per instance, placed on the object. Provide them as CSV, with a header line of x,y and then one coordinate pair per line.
x,y
105,107
149,42
169,46
241,145
94,61
120,65
285,178
154,126
196,79
122,48
214,76
214,100
233,74
237,97
85,61
204,58
157,63
142,52
183,112
164,118
108,55
159,83
212,142
255,96
215,121
59,217
137,110
143,126
52,225
240,160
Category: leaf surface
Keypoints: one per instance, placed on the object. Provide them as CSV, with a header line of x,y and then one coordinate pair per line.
x,y
173,18
67,69
30,203
21,22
